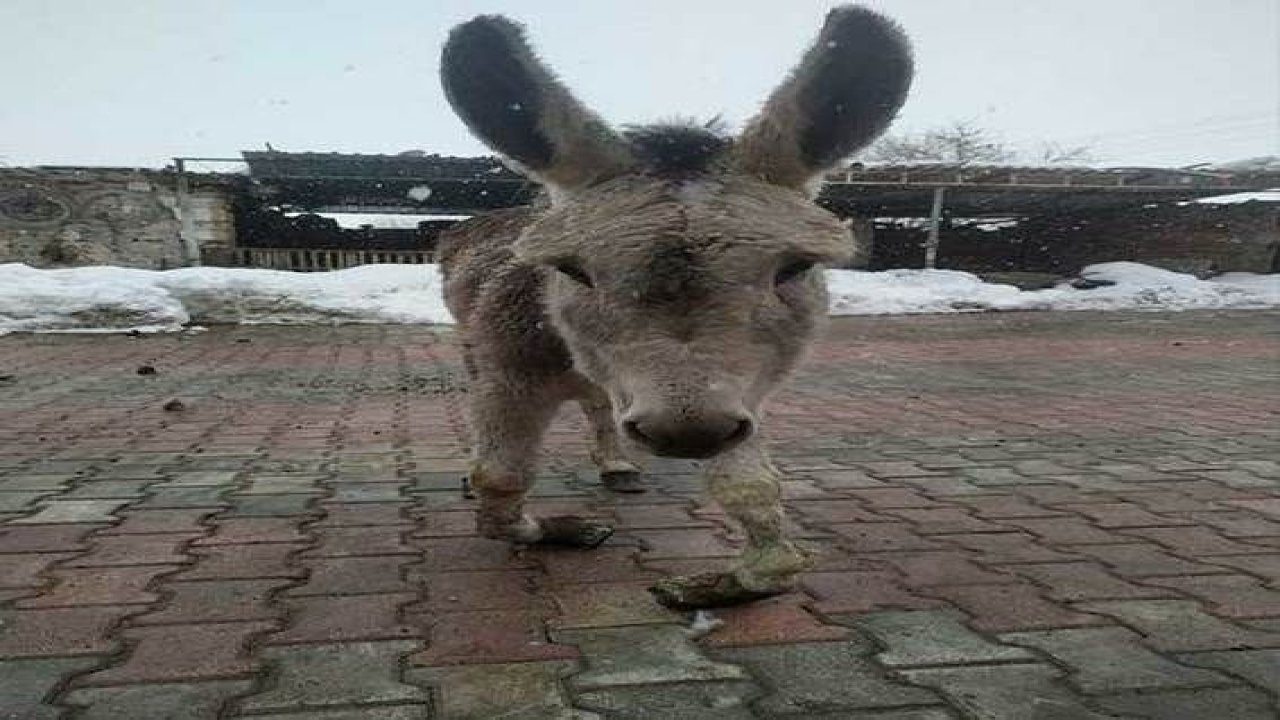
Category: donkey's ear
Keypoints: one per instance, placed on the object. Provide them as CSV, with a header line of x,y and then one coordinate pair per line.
x,y
513,103
845,92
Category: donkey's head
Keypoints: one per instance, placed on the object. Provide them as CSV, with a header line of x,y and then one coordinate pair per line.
x,y
683,263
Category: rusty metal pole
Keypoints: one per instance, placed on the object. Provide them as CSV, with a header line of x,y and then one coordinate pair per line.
x,y
935,226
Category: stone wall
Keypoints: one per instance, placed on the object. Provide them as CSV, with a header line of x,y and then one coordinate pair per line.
x,y
58,217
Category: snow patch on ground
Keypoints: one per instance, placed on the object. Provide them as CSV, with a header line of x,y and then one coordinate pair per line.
x,y
1133,286
1267,196
113,299
110,299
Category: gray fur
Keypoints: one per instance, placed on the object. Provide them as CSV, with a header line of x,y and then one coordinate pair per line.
x,y
650,289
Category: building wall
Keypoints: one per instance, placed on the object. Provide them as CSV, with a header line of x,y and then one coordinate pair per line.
x,y
59,217
1222,238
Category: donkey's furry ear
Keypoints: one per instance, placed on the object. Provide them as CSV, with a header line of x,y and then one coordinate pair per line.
x,y
845,92
513,103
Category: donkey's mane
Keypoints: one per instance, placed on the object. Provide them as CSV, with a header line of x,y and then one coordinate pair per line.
x,y
678,150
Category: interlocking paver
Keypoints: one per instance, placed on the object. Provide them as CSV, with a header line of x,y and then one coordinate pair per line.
x,y
1067,531
607,605
479,590
1123,515
1266,567
1144,559
184,497
99,586
1181,625
295,505
1003,608
125,550
170,653
1259,667
162,521
73,511
1080,486
685,701
45,538
604,564
494,636
1006,692
171,701
1193,704
944,521
1235,596
21,570
863,591
345,618
238,530
1112,659
243,562
356,514
415,711
108,490
823,676
925,569
522,691
54,632
930,637
354,575
642,655
1007,548
26,686
1197,541
319,676
1085,581
215,601
863,537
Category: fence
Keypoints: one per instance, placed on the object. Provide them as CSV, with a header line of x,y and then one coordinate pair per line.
x,y
315,260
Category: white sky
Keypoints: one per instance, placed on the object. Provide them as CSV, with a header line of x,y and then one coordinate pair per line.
x,y
136,82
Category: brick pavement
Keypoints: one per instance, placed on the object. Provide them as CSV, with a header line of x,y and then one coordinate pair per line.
x,y
1016,516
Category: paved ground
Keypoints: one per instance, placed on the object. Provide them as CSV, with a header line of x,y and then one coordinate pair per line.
x,y
1019,516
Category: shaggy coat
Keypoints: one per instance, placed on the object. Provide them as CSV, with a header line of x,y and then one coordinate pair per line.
x,y
669,286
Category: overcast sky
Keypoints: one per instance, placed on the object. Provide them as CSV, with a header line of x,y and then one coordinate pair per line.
x,y
136,82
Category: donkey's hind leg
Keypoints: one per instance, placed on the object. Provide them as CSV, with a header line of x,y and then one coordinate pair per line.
x,y
617,472
508,431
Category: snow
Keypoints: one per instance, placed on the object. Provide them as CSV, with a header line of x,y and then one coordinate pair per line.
x,y
398,221
111,299
1134,287
1244,197
1264,163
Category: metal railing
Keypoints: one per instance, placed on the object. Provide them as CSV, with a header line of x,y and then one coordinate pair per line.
x,y
318,260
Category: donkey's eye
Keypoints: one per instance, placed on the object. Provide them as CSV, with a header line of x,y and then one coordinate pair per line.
x,y
575,273
793,270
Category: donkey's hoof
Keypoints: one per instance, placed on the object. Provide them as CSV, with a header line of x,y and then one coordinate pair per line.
x,y
705,590
623,481
468,493
573,531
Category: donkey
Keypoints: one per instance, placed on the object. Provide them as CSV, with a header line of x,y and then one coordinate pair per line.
x,y
669,284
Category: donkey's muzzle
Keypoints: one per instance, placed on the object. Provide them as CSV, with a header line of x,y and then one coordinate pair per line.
x,y
668,434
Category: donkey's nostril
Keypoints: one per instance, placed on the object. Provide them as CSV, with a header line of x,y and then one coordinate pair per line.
x,y
742,432
633,431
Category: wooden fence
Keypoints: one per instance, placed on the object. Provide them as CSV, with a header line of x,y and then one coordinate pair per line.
x,y
315,260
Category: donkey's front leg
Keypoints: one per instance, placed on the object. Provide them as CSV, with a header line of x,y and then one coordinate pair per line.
x,y
746,484
509,431
617,472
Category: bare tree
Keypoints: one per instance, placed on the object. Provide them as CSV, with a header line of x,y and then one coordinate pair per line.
x,y
962,142
1052,153
965,142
